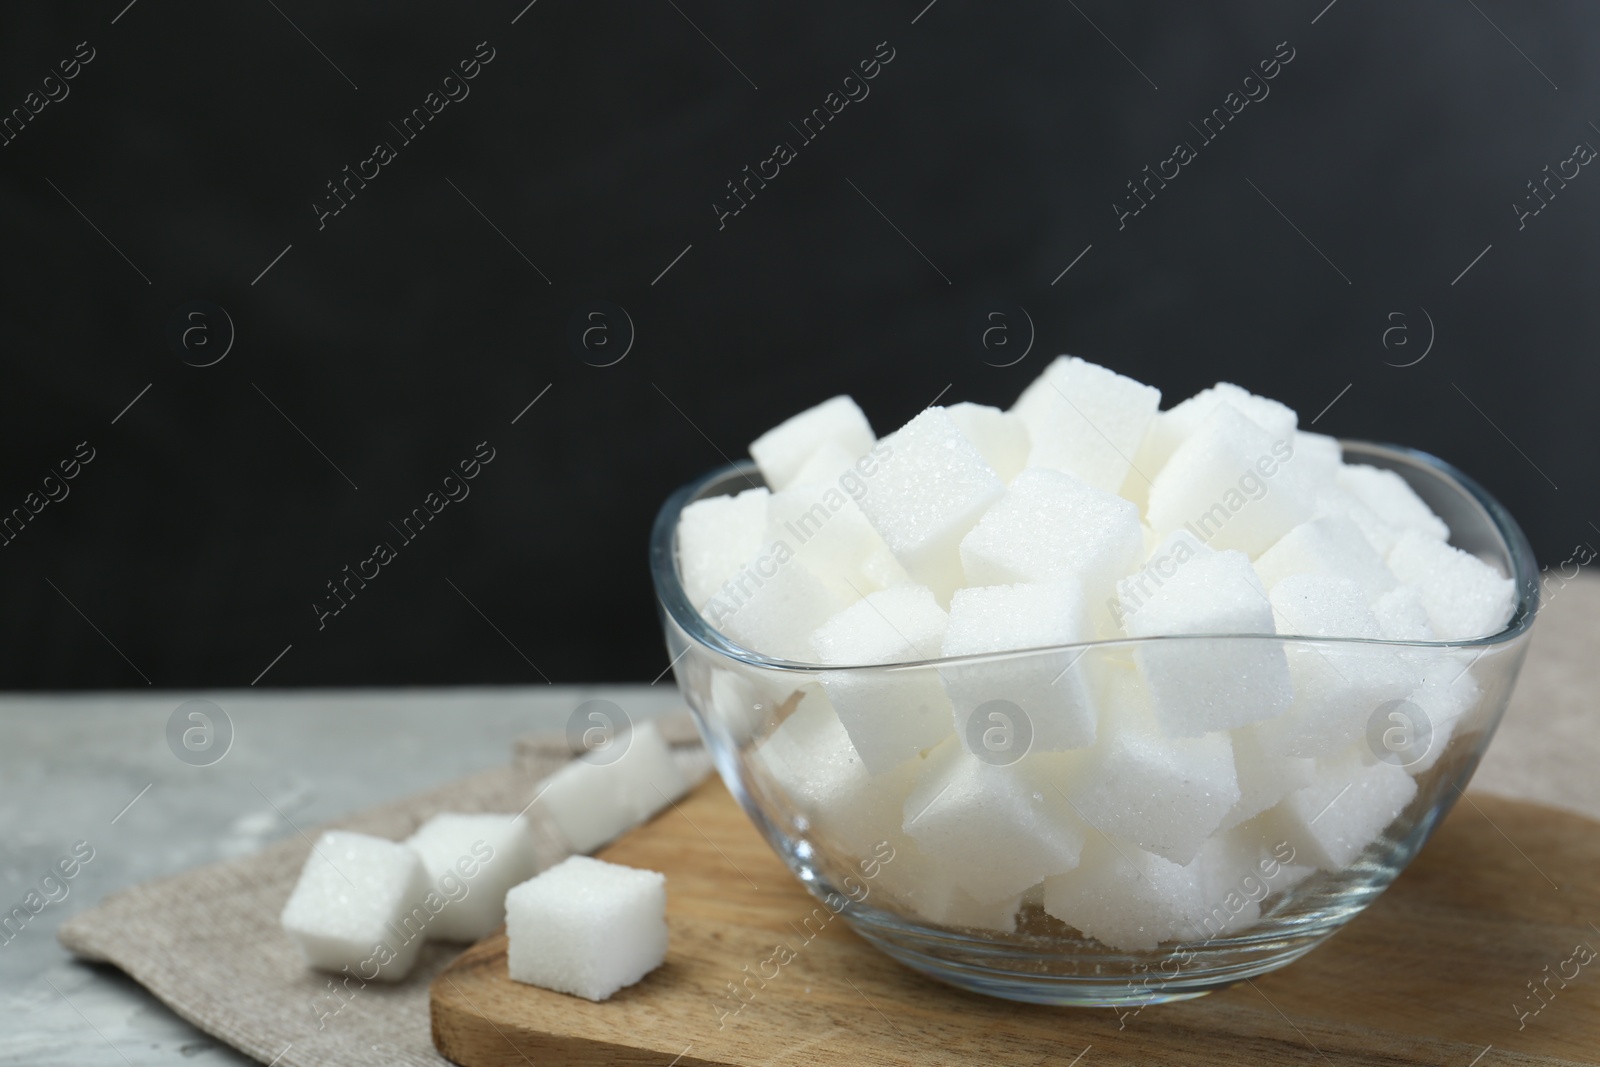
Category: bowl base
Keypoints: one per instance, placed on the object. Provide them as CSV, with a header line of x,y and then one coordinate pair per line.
x,y
1014,970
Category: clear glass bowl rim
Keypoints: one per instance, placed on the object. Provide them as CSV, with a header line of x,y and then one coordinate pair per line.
x,y
675,601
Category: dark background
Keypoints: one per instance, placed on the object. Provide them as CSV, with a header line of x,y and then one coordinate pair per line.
x,y
192,547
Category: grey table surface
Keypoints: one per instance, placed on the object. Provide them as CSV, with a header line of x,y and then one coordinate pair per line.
x,y
98,768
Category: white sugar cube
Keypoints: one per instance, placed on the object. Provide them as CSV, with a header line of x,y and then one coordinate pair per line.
x,y
783,450
773,605
1464,596
363,904
1326,546
881,570
1332,821
1198,686
1125,897
1322,455
1337,685
1392,499
889,626
717,536
1337,688
911,880
1130,899
472,860
1152,540
828,534
890,716
921,886
825,465
1086,420
1051,690
1446,697
587,927
1234,874
1293,874
1187,416
1321,605
1169,429
591,801
1231,484
928,491
1050,526
957,908
809,759
1166,795
1001,436
1230,883
1264,778
1333,502
1402,616
995,830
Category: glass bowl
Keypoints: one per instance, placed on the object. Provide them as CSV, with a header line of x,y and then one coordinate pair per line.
x,y
929,856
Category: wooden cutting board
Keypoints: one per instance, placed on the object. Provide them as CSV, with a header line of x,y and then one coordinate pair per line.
x,y
1434,972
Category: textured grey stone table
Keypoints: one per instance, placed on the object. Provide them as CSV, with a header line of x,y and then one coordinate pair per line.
x,y
70,767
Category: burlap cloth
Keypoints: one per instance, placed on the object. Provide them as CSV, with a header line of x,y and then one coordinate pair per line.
x,y
207,942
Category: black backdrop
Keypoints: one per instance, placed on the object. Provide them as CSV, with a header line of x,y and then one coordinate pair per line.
x,y
1358,208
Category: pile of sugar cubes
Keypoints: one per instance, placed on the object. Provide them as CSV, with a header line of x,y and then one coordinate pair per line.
x,y
1162,779
364,905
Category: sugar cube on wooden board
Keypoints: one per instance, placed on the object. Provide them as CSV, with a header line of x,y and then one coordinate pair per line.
x,y
587,927
361,904
471,860
591,801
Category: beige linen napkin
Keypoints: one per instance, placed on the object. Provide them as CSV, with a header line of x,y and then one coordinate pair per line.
x,y
207,942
